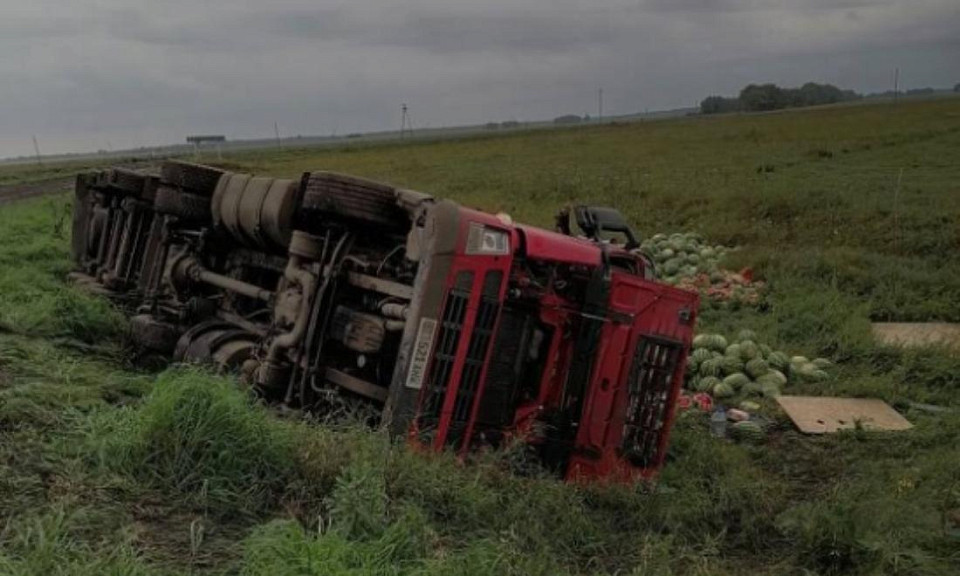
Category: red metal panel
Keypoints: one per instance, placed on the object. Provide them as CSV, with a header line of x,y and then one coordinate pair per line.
x,y
480,265
554,247
645,309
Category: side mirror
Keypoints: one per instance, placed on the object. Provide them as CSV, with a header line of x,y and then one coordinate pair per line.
x,y
594,221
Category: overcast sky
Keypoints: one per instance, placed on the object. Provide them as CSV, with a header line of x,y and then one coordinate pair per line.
x,y
84,75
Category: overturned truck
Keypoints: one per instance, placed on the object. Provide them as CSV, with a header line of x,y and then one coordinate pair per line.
x,y
459,328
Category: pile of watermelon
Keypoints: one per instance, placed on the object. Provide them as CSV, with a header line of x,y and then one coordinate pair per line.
x,y
680,256
685,260
747,369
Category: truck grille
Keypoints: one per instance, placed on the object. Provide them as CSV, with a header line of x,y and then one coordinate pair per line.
x,y
477,350
445,350
651,384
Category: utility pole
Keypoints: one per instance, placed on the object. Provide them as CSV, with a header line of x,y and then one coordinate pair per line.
x,y
404,120
599,105
276,132
36,150
896,85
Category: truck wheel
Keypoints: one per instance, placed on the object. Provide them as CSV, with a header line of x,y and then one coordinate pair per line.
x,y
194,178
127,181
151,334
185,206
353,198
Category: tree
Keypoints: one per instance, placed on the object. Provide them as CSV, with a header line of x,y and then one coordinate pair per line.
x,y
762,97
957,87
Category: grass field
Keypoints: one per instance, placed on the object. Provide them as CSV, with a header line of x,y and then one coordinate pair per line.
x,y
849,213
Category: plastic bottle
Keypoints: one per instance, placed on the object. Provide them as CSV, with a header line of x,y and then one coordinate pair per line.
x,y
718,423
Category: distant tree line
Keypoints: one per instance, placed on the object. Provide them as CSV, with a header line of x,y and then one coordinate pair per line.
x,y
571,119
766,97
928,91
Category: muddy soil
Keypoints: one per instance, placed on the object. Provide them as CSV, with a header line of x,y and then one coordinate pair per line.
x,y
13,192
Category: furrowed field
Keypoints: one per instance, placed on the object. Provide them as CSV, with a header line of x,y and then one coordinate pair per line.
x,y
850,214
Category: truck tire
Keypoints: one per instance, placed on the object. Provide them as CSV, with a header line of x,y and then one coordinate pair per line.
x,y
354,199
185,206
151,334
193,178
127,181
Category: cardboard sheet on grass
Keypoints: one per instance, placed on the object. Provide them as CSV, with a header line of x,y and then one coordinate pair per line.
x,y
823,415
907,334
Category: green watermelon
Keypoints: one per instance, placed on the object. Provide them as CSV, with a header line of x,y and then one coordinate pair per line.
x,y
706,384
779,376
770,390
722,390
746,335
769,379
765,351
711,367
700,340
700,354
752,389
798,369
733,350
822,363
748,406
810,373
748,431
818,375
731,365
671,266
749,350
757,367
718,343
736,381
778,361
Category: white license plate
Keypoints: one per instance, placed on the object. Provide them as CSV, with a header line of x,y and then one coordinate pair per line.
x,y
421,353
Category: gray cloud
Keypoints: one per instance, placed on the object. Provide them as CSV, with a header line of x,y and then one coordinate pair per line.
x,y
93,73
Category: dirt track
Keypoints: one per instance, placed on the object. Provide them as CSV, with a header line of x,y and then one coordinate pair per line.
x,y
14,192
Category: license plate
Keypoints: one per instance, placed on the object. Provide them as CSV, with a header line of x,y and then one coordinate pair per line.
x,y
421,353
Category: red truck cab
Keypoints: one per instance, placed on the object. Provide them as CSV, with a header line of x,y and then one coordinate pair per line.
x,y
567,341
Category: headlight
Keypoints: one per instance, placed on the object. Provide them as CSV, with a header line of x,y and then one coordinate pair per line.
x,y
486,240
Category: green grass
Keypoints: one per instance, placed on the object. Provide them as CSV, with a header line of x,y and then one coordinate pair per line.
x,y
106,469
31,172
